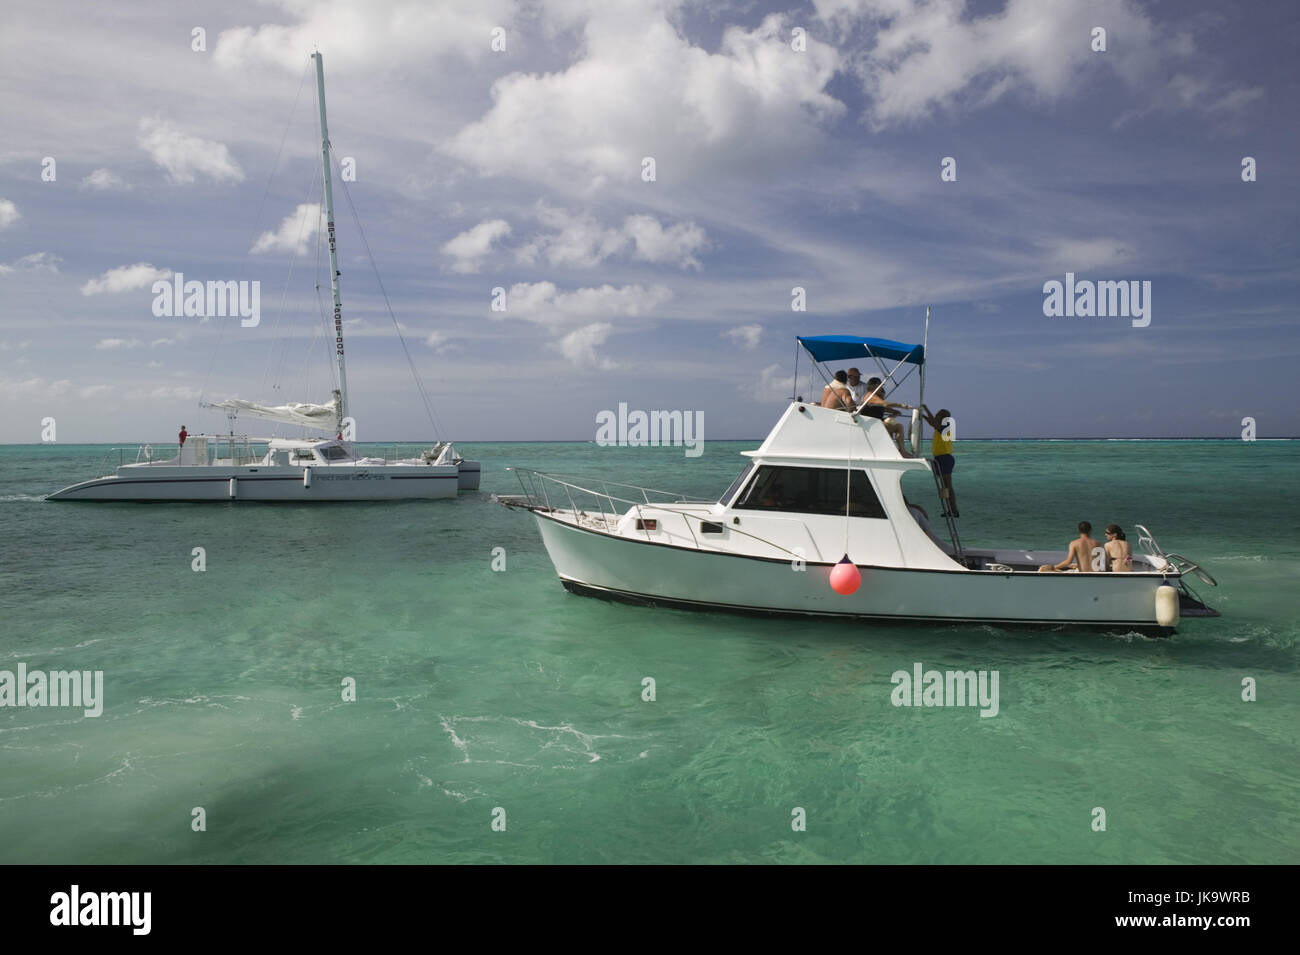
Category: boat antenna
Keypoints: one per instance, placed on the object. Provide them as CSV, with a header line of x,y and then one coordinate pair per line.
x,y
925,355
794,380
334,253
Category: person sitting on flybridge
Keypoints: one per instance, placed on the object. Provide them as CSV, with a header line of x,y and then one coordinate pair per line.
x,y
1079,557
857,386
836,394
877,407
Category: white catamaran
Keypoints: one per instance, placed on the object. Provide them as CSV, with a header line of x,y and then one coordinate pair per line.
x,y
828,482
238,467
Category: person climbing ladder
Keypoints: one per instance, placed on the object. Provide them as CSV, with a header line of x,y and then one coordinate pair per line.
x,y
941,443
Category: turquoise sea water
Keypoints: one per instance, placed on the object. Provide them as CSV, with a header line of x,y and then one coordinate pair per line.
x,y
477,690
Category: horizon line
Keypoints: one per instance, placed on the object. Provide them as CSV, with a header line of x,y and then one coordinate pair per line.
x,y
39,444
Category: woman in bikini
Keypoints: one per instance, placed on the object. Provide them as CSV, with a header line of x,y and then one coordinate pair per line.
x,y
1118,550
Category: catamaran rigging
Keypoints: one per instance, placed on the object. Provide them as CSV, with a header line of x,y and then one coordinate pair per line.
x,y
200,471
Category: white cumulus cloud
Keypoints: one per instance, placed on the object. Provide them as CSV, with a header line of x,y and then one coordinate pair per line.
x,y
34,387
371,36
471,246
675,245
35,262
296,232
579,346
544,303
105,180
438,342
184,156
930,55
580,241
8,213
746,336
125,278
770,385
641,89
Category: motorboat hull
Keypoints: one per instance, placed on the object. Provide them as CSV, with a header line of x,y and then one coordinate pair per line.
x,y
639,571
263,483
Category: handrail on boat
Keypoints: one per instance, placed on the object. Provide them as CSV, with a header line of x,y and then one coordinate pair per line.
x,y
534,485
539,479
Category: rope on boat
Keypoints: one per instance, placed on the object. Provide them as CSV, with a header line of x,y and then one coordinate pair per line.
x,y
419,384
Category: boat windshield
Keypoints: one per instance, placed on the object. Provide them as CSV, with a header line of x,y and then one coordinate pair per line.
x,y
811,491
333,452
735,485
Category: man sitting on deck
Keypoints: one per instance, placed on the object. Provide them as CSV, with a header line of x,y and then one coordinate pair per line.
x,y
1078,559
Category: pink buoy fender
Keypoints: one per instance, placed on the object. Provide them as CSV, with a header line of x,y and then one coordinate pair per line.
x,y
845,578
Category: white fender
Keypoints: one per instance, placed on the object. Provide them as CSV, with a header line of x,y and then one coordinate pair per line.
x,y
306,477
1167,609
233,483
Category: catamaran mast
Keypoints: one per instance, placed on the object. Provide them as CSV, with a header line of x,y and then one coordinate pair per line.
x,y
334,255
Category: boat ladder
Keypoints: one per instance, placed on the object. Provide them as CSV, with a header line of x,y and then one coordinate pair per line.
x,y
958,552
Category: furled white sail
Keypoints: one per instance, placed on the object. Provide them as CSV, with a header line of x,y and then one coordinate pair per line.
x,y
321,417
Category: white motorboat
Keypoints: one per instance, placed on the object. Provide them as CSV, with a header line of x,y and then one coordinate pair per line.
x,y
827,483
237,467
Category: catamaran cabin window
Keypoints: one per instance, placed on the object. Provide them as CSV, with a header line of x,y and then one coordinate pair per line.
x,y
334,453
735,485
811,491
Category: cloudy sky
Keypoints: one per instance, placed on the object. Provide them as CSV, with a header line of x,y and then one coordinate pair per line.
x,y
793,145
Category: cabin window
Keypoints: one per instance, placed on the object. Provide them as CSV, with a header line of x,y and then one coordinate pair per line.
x,y
334,453
735,485
811,491
302,455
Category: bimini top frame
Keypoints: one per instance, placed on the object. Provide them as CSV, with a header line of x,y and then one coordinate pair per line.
x,y
827,348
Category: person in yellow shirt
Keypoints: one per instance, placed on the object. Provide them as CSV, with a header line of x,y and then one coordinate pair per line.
x,y
941,443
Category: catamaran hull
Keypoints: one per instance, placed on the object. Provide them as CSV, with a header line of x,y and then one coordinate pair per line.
x,y
265,484
630,570
470,472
